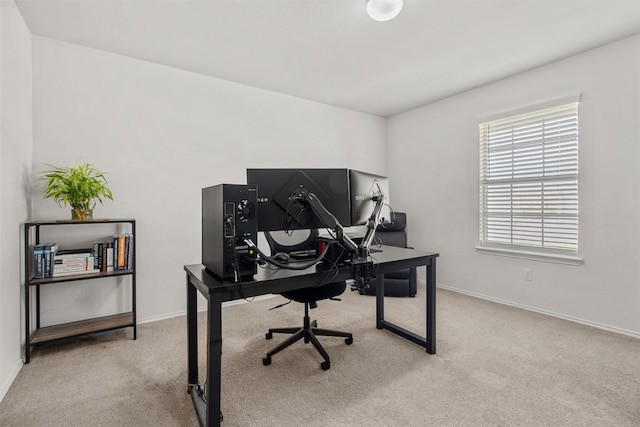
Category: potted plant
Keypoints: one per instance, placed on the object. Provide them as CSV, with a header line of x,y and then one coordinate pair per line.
x,y
78,187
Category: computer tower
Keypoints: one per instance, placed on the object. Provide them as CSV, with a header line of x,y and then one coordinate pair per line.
x,y
228,218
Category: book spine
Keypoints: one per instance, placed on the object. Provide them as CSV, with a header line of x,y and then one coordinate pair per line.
x,y
38,265
100,265
126,252
122,252
115,252
54,249
109,256
95,251
97,255
103,266
74,251
130,252
46,263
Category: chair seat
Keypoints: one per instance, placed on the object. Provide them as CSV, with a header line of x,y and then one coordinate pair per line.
x,y
306,295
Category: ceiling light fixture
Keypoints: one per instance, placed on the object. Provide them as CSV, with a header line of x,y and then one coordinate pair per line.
x,y
383,10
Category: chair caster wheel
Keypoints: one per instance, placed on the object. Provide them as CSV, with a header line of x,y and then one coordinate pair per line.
x,y
266,361
348,341
269,335
325,365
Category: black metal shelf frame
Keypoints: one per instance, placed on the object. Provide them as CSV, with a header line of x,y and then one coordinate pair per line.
x,y
42,335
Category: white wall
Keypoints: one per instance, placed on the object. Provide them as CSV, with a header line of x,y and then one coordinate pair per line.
x,y
163,134
15,168
433,163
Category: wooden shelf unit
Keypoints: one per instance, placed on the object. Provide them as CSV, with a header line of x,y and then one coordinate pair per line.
x,y
40,335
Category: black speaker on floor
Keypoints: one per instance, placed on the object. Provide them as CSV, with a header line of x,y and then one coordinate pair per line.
x,y
228,218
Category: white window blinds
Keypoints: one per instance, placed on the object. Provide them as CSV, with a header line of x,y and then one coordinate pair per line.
x,y
529,181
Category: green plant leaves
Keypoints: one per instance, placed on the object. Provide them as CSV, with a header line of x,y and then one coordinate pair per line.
x,y
78,187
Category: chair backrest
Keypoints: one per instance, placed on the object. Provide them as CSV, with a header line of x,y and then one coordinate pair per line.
x,y
290,241
394,234
302,240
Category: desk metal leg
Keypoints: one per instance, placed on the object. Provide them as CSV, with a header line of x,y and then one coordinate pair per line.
x,y
431,307
428,342
214,360
379,300
192,335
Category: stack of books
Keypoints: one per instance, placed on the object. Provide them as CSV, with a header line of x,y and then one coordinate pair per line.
x,y
114,254
104,256
72,261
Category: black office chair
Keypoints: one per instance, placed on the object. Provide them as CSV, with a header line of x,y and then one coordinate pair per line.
x,y
292,244
401,283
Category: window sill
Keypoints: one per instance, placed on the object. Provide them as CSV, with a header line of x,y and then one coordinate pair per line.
x,y
559,259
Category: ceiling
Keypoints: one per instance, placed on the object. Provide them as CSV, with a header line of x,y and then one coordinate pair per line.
x,y
331,52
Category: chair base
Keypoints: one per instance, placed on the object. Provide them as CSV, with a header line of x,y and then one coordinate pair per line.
x,y
309,331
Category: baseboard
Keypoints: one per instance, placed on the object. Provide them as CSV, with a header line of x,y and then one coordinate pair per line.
x,y
5,387
200,309
161,317
540,311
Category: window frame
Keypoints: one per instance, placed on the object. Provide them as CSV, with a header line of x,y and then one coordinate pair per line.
x,y
567,182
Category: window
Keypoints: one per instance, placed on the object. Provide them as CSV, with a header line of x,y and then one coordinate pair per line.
x,y
529,181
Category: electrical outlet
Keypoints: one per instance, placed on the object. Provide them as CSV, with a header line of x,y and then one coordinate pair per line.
x,y
528,274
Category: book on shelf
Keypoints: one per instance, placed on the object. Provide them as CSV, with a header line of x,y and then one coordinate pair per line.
x,y
46,260
58,260
38,261
130,251
53,249
115,252
40,258
72,271
43,259
73,253
122,251
98,255
74,263
87,262
59,264
112,253
109,256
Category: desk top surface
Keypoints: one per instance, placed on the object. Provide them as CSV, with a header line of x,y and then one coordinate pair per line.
x,y
277,280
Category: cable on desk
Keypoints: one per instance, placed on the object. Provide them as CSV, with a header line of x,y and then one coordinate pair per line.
x,y
377,241
238,276
334,268
301,266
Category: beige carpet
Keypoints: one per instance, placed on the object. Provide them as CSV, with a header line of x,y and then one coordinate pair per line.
x,y
496,366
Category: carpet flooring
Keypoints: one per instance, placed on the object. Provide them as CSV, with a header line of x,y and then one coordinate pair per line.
x,y
496,365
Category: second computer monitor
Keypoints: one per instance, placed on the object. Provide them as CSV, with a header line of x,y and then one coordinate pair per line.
x,y
364,190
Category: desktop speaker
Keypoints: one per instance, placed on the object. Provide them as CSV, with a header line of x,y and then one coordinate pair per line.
x,y
228,218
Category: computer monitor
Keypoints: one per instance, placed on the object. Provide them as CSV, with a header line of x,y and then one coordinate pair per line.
x,y
364,190
275,209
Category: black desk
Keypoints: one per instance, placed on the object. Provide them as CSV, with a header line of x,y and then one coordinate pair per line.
x,y
267,281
